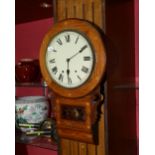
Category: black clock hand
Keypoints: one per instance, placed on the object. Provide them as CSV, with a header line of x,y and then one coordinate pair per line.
x,y
68,72
80,51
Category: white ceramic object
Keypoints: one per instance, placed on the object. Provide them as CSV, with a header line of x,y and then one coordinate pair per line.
x,y
31,109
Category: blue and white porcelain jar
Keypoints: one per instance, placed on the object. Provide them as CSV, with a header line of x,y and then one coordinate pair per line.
x,y
31,109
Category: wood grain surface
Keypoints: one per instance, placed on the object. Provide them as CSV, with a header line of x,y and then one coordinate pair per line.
x,y
93,11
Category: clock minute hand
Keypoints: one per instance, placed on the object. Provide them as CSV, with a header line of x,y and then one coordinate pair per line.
x,y
83,48
80,51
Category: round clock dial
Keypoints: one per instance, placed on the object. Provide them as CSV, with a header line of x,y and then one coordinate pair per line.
x,y
72,58
69,58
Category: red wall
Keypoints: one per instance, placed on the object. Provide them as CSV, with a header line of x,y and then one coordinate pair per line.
x,y
28,38
22,149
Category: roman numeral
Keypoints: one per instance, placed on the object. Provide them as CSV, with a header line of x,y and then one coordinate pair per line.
x,y
55,70
85,69
67,37
51,49
86,58
59,41
76,40
69,81
61,77
52,61
79,77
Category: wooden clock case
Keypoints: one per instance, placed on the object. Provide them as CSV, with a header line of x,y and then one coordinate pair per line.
x,y
76,108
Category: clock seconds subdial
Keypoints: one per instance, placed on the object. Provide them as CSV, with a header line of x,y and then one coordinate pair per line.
x,y
71,52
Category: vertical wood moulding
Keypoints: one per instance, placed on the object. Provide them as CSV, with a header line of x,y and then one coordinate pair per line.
x,y
70,8
92,149
61,10
55,10
103,15
83,150
88,10
91,10
65,150
74,147
79,8
98,13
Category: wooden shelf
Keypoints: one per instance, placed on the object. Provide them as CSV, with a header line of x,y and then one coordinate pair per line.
x,y
31,84
34,85
39,141
32,10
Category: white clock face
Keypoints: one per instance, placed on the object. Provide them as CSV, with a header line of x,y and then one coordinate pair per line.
x,y
69,59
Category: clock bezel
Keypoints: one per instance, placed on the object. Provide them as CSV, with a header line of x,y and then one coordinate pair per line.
x,y
98,47
92,50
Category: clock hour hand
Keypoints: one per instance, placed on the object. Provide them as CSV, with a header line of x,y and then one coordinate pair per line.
x,y
80,51
68,72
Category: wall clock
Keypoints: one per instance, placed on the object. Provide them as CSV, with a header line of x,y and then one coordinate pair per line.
x,y
73,62
72,58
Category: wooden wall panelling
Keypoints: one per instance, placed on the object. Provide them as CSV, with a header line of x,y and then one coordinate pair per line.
x,y
59,10
92,149
99,13
82,148
88,10
93,11
78,8
65,150
74,147
83,9
70,9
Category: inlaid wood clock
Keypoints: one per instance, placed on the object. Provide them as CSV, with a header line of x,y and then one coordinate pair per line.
x,y
73,63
